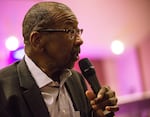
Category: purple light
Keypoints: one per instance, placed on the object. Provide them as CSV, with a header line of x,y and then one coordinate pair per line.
x,y
16,55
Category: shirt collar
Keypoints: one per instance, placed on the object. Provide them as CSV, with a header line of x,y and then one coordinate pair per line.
x,y
40,77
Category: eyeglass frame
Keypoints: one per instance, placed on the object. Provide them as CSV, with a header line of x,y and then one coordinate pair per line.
x,y
71,32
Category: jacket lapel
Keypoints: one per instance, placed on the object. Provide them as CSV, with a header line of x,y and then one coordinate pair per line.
x,y
73,93
76,92
31,92
76,88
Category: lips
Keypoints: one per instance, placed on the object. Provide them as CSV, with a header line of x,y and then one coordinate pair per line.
x,y
75,54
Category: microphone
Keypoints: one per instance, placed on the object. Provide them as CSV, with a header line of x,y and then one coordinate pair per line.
x,y
89,73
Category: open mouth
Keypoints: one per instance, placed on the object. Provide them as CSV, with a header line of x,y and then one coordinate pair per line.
x,y
74,56
76,53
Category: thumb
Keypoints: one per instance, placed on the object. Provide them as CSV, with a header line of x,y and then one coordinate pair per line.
x,y
90,95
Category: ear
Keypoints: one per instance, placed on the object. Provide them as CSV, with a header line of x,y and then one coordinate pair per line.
x,y
35,40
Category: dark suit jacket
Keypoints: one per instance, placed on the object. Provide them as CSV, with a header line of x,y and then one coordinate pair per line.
x,y
21,97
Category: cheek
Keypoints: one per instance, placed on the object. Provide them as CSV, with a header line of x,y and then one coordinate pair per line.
x,y
65,50
59,50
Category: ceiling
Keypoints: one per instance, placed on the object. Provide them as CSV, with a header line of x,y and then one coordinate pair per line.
x,y
102,20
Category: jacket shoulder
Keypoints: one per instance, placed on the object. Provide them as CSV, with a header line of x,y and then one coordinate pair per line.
x,y
8,70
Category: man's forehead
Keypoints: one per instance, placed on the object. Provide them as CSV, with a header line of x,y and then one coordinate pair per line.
x,y
71,24
66,19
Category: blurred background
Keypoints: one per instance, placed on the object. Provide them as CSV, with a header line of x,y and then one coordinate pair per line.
x,y
116,40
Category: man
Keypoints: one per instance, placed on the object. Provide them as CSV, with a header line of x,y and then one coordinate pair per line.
x,y
43,83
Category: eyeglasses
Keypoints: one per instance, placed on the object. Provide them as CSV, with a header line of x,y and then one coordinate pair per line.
x,y
72,32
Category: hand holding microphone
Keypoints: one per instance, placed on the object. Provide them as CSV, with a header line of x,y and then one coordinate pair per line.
x,y
102,99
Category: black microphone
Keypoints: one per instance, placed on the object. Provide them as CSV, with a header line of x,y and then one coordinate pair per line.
x,y
89,73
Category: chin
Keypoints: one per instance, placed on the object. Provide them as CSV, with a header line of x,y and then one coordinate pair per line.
x,y
70,65
71,62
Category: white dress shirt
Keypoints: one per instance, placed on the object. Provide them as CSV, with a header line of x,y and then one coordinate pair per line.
x,y
55,95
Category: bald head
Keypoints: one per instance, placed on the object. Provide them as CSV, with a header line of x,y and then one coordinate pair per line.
x,y
46,15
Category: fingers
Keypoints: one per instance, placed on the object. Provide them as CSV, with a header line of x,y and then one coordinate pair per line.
x,y
100,113
102,105
112,108
109,102
102,91
105,93
109,94
104,100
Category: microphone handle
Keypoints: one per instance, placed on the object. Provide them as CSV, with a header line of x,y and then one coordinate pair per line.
x,y
93,82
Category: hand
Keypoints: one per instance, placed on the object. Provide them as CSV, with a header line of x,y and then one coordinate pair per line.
x,y
104,101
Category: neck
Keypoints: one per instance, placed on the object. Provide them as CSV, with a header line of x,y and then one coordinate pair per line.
x,y
56,76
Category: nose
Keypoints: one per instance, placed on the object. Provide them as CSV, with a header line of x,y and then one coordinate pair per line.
x,y
78,41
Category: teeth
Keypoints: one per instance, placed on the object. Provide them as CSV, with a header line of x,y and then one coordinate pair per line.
x,y
77,57
76,53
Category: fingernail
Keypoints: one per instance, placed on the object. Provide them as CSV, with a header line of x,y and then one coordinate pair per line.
x,y
94,106
92,102
107,108
99,96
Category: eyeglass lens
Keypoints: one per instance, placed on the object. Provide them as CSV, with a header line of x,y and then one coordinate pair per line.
x,y
75,32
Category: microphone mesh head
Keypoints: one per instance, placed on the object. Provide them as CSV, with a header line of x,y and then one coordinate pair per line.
x,y
86,67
